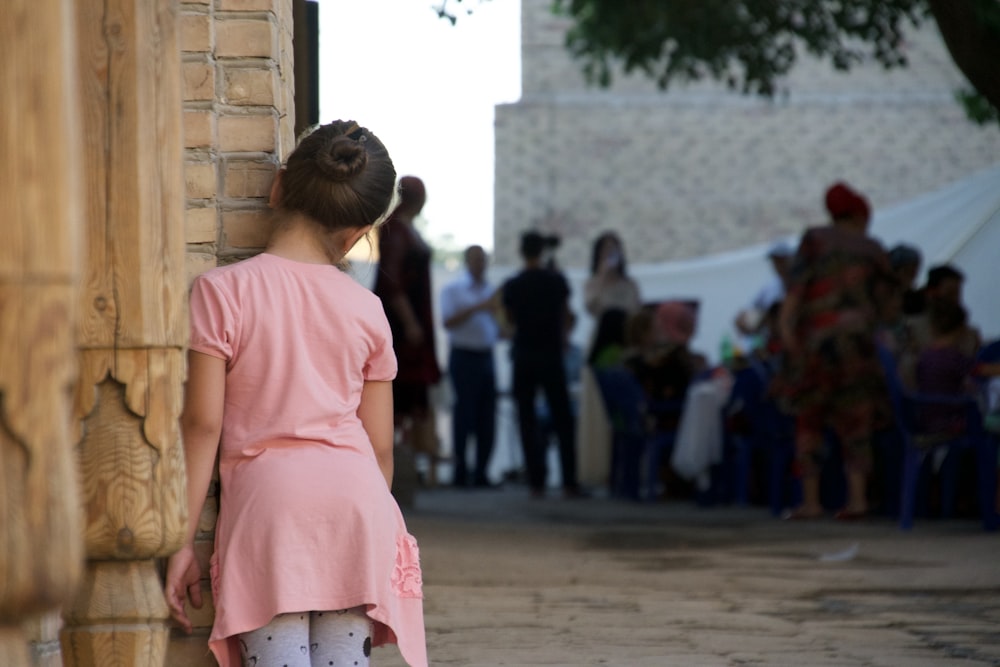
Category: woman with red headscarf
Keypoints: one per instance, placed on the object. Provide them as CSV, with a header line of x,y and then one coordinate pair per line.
x,y
839,285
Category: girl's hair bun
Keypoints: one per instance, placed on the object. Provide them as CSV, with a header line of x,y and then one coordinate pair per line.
x,y
343,157
340,175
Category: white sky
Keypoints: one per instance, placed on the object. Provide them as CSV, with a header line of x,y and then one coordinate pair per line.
x,y
427,89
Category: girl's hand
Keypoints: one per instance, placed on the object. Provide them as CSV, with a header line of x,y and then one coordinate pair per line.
x,y
183,582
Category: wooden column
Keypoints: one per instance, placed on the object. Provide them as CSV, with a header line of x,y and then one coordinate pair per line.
x,y
41,545
132,332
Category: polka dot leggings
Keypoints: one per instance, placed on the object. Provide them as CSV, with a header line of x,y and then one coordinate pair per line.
x,y
310,639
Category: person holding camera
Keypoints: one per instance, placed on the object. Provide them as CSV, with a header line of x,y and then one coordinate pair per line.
x,y
536,302
609,285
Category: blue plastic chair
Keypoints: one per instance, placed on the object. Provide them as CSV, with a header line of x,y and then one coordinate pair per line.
x,y
636,454
623,401
907,408
770,432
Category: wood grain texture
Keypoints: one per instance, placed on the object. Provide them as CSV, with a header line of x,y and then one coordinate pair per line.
x,y
41,545
13,648
134,287
130,454
40,541
39,175
118,617
98,307
133,298
132,331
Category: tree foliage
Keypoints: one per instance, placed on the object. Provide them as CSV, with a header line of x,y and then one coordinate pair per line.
x,y
971,31
748,44
751,44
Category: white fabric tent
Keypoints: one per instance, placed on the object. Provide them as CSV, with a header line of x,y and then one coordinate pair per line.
x,y
958,224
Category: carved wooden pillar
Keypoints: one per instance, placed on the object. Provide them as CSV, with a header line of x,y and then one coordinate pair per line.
x,y
41,546
133,328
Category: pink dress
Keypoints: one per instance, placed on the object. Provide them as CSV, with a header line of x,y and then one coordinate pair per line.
x,y
306,521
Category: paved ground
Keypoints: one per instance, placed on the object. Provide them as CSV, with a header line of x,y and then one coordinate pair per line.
x,y
515,581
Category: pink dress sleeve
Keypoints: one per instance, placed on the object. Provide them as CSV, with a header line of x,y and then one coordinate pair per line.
x,y
212,320
381,365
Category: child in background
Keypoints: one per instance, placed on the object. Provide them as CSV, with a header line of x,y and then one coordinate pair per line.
x,y
944,368
664,363
290,382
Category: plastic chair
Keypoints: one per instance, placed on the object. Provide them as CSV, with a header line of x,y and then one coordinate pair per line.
x,y
770,432
907,409
635,454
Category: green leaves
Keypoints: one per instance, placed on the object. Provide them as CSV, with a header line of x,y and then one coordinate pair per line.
x,y
977,107
751,44
748,44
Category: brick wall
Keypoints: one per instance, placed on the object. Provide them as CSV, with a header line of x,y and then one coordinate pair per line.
x,y
238,127
699,169
238,116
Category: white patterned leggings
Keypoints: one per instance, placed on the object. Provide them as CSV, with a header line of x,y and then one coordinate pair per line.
x,y
310,639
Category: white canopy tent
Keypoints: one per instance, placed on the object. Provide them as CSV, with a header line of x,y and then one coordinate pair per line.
x,y
958,224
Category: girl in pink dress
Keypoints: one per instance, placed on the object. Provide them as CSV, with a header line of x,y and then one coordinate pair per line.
x,y
290,384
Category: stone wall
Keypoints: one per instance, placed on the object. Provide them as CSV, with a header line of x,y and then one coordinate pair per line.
x,y
238,83
699,169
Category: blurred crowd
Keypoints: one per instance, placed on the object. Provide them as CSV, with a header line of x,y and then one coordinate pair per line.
x,y
838,366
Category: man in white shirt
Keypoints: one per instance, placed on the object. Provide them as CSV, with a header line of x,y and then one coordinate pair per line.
x,y
467,306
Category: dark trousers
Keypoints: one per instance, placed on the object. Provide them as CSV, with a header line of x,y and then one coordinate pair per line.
x,y
474,413
534,371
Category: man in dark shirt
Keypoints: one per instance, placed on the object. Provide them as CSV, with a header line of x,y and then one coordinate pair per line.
x,y
537,304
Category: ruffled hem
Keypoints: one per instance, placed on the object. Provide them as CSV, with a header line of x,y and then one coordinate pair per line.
x,y
399,620
412,646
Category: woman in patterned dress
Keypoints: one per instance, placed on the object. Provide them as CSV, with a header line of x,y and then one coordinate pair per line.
x,y
839,286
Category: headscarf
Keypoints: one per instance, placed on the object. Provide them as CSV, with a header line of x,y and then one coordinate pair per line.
x,y
842,201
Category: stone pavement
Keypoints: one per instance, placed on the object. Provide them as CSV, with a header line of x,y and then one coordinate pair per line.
x,y
513,581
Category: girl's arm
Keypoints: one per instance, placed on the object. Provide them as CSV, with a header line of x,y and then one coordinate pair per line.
x,y
201,426
375,412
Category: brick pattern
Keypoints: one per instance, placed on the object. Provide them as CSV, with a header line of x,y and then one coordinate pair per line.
x,y
698,169
238,88
238,93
